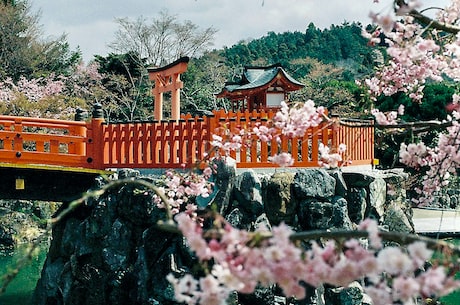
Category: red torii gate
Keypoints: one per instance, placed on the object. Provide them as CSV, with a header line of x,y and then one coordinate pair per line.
x,y
167,79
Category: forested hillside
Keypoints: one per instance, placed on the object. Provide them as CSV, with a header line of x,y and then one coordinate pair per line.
x,y
327,61
340,45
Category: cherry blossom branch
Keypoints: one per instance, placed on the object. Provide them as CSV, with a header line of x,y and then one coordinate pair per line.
x,y
398,237
431,23
417,127
428,21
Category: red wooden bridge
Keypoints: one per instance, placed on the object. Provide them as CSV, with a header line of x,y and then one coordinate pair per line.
x,y
33,151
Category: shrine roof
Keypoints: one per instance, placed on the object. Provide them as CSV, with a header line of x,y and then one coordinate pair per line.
x,y
256,77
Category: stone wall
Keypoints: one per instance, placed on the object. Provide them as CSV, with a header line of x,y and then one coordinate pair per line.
x,y
110,251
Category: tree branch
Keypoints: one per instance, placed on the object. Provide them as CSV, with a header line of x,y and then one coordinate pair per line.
x,y
428,21
423,126
398,237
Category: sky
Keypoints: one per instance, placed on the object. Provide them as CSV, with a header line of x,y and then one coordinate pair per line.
x,y
90,24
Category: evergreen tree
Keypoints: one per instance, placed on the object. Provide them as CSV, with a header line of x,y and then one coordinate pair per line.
x,y
23,52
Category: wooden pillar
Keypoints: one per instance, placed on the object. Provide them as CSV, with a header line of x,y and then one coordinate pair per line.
x,y
167,79
95,142
175,97
158,104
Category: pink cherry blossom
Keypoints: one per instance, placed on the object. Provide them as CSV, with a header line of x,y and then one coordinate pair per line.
x,y
240,264
283,159
328,159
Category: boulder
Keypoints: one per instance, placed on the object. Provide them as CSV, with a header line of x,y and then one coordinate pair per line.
x,y
322,215
279,202
357,204
315,215
223,179
395,219
357,180
351,295
396,184
247,192
313,183
341,187
377,198
6,238
340,218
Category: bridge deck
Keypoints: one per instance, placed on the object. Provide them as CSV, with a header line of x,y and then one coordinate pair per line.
x,y
45,182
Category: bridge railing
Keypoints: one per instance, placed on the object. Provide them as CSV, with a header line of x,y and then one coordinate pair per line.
x,y
160,144
358,136
169,144
43,141
256,153
182,143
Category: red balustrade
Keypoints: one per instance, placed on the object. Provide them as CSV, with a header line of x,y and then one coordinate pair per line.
x,y
168,144
27,140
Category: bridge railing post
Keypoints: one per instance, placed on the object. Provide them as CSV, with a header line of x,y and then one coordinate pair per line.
x,y
18,141
81,131
94,142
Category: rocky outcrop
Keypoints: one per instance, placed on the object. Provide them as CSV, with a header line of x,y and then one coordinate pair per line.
x,y
23,221
111,251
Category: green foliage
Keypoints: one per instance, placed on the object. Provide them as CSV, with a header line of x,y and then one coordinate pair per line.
x,y
340,48
122,64
205,76
333,45
125,87
432,107
23,51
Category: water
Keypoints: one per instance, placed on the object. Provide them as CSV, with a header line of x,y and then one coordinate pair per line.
x,y
20,290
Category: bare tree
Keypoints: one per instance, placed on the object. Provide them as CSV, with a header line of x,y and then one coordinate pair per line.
x,y
161,41
322,84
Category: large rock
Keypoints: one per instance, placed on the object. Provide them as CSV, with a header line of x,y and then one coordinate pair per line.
x,y
279,202
357,180
321,215
396,184
341,187
102,254
247,193
223,179
351,295
357,204
23,221
395,219
6,238
315,215
377,198
340,216
313,183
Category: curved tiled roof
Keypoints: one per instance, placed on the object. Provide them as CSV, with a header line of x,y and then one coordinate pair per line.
x,y
255,77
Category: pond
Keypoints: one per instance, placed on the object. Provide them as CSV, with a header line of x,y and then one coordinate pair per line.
x,y
21,288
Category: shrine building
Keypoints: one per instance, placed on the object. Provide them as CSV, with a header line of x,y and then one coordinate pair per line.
x,y
260,88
